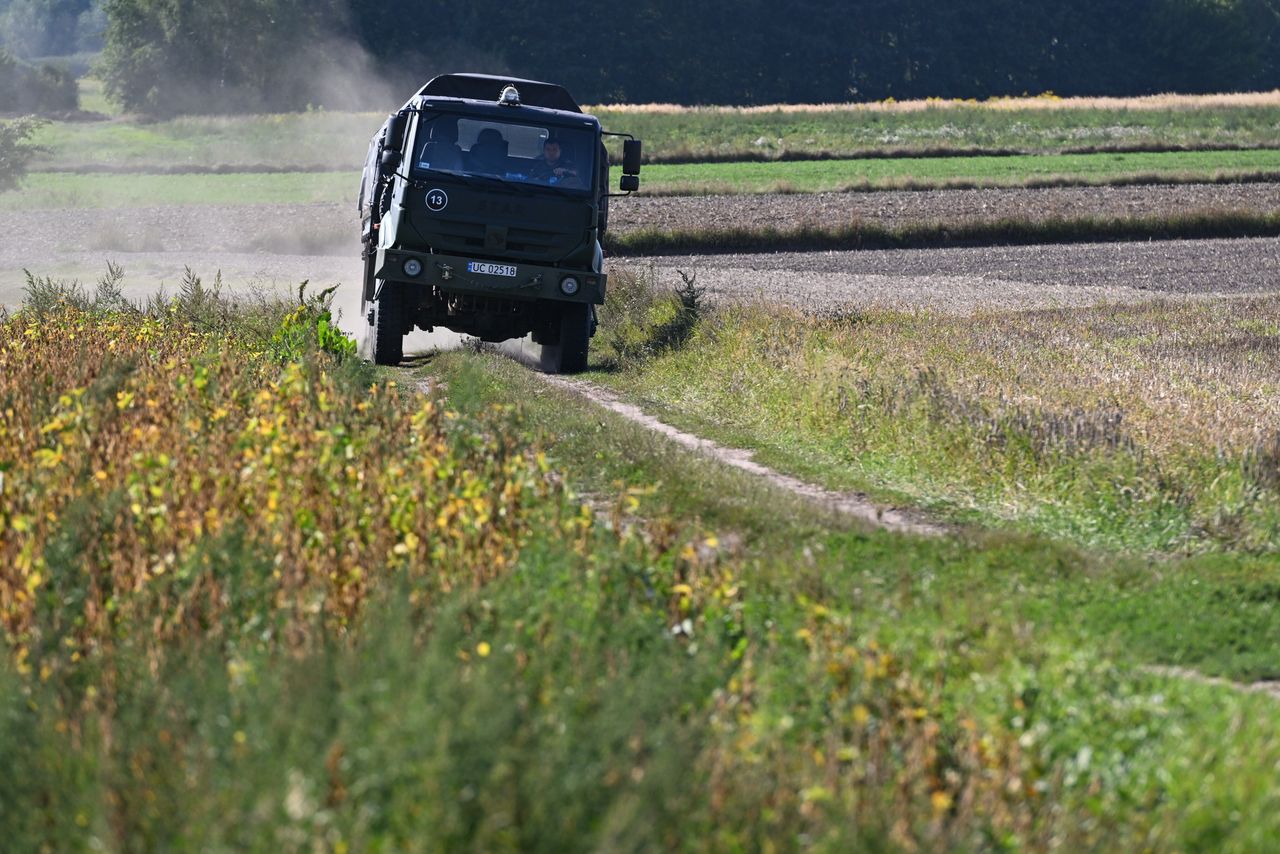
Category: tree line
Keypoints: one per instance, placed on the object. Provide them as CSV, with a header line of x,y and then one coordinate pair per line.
x,y
171,56
32,29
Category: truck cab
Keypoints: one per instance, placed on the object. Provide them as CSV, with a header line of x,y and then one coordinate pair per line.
x,y
483,204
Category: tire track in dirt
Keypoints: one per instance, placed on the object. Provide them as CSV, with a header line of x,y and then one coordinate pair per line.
x,y
852,504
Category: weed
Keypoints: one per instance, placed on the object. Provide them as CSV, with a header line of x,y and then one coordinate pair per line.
x,y
638,320
310,327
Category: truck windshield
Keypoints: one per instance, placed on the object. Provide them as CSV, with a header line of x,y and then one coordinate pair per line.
x,y
521,152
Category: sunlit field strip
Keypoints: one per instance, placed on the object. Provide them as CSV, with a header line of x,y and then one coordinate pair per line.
x,y
1046,101
67,190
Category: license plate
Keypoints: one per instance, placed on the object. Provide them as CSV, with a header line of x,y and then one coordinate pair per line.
x,y
484,268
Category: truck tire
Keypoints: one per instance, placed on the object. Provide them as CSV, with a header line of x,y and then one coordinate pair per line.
x,y
569,356
389,312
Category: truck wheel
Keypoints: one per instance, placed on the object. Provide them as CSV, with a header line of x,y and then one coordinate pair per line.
x,y
389,312
570,355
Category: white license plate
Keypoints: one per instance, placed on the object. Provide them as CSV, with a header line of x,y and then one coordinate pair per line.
x,y
484,268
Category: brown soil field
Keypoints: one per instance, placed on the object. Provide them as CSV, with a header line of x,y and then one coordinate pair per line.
x,y
896,208
330,228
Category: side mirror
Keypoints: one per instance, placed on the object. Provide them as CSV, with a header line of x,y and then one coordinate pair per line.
x,y
391,160
396,125
629,183
631,157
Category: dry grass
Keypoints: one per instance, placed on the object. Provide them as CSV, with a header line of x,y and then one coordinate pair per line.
x,y
1149,427
1047,101
1187,375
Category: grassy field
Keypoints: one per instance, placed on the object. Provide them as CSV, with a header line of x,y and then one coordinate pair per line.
x,y
257,596
338,140
291,140
1014,171
46,190
1148,428
63,190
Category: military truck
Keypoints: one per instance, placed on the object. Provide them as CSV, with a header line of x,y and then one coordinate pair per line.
x,y
469,223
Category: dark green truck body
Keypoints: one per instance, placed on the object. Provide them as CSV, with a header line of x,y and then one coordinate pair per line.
x,y
465,228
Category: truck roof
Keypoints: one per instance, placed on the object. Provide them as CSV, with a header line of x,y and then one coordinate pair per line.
x,y
487,87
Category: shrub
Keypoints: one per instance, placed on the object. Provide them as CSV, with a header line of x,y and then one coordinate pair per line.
x,y
16,150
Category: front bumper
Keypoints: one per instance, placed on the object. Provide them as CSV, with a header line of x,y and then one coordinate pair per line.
x,y
449,273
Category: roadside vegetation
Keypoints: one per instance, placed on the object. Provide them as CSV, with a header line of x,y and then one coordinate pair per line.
x,y
256,595
1147,428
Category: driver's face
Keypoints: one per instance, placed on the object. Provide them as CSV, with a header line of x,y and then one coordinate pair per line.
x,y
551,151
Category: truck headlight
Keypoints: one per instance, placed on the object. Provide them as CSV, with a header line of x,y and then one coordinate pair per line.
x,y
569,285
412,267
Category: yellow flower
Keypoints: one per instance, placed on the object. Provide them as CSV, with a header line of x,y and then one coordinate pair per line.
x,y
941,802
483,649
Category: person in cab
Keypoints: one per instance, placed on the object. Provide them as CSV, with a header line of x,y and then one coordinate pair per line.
x,y
555,167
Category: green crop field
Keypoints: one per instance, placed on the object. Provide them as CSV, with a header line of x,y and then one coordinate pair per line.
x,y
291,140
44,190
1034,170
70,190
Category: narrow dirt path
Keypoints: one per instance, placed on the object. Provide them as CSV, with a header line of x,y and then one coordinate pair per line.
x,y
1270,687
852,504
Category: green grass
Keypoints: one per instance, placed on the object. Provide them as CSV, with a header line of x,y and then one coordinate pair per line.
x,y
698,663
45,190
93,98
57,189
1136,428
1218,614
292,140
1014,171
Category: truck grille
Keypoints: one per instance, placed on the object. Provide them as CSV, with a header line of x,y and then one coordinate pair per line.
x,y
532,244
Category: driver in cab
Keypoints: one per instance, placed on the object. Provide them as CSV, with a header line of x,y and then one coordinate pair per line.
x,y
554,167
